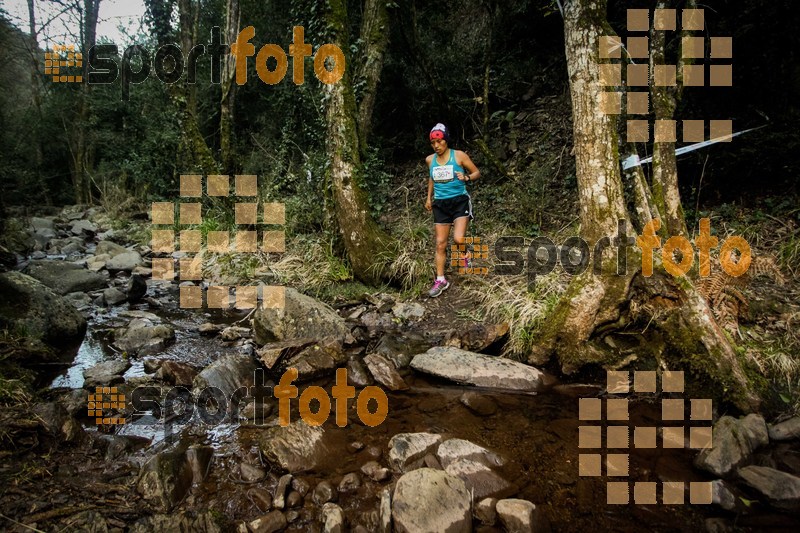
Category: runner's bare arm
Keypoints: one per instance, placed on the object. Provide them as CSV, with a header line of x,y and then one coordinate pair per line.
x,y
472,171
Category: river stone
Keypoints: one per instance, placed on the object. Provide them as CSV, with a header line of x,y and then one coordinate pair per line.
x,y
478,403
165,479
332,518
204,523
296,447
431,500
301,316
136,288
517,516
453,450
269,523
375,471
324,493
27,305
228,374
176,373
477,369
81,226
384,372
357,374
300,485
199,458
734,442
271,354
351,482
781,489
65,277
39,223
279,501
261,498
486,511
480,480
294,499
79,299
721,495
105,374
124,262
114,296
405,448
141,337
787,430
317,360
394,350
407,310
478,336
112,249
72,248
57,422
251,473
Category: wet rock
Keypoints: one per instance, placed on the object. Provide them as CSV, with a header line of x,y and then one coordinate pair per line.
x,y
165,479
261,498
787,430
118,446
57,422
374,452
292,516
273,353
453,450
486,512
517,516
208,329
480,480
251,473
350,482
234,333
143,271
111,249
151,365
124,262
317,360
478,336
300,485
383,302
79,227
375,471
105,374
734,442
324,493
204,523
136,288
279,501
65,277
721,495
357,373
228,374
294,499
72,248
431,461
332,518
395,350
478,403
269,523
406,310
142,337
80,300
176,373
200,459
257,412
405,448
781,489
385,516
359,529
295,448
376,322
301,316
477,369
114,296
36,255
28,305
431,500
40,223
384,372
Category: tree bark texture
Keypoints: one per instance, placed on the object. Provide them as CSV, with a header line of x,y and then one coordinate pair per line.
x,y
364,241
228,87
375,39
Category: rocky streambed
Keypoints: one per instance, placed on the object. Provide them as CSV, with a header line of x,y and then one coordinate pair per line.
x,y
470,441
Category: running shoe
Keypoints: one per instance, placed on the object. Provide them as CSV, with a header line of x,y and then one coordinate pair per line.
x,y
438,286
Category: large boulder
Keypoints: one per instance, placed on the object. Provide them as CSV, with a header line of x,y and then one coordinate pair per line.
x,y
295,448
518,516
124,262
65,277
781,489
406,448
318,359
28,306
144,337
431,500
167,477
477,369
229,373
733,443
105,374
786,430
301,316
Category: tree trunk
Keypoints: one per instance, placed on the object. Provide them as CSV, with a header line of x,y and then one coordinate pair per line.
x,y
365,243
227,104
375,36
36,91
665,165
583,327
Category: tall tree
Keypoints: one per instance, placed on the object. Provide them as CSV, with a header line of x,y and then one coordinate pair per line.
x,y
597,304
228,100
36,93
366,244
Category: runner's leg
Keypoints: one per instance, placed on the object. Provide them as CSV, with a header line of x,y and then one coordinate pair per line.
x,y
442,234
459,231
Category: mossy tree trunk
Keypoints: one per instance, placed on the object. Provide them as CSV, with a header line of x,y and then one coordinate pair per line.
x,y
581,328
665,165
375,39
228,87
366,244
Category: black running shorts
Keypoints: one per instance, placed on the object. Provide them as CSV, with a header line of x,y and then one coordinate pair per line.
x,y
446,210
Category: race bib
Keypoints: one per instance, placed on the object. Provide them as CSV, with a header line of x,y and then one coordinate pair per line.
x,y
443,174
